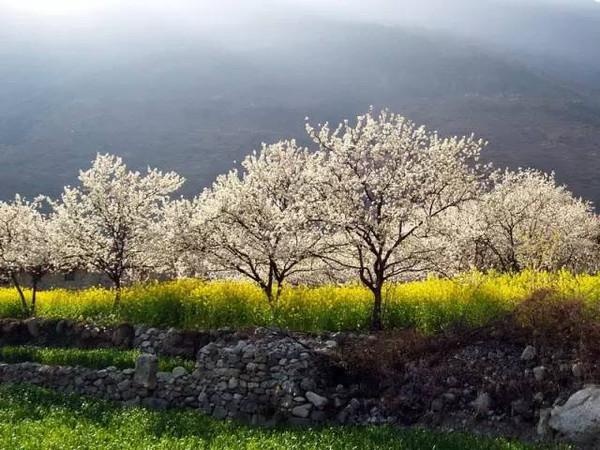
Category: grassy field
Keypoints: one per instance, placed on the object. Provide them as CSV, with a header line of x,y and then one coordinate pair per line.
x,y
37,419
93,359
431,305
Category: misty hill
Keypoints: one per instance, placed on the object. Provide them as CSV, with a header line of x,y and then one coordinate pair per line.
x,y
195,104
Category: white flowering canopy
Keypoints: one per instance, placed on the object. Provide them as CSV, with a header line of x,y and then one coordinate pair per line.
x,y
260,223
28,244
529,221
108,221
386,181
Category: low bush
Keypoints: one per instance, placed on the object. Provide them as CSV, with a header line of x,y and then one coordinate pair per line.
x,y
93,359
34,418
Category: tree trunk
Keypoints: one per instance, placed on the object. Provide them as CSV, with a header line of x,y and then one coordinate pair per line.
x,y
278,292
376,320
268,290
21,293
34,284
117,302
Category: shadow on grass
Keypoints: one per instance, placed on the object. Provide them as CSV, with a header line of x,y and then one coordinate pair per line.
x,y
189,429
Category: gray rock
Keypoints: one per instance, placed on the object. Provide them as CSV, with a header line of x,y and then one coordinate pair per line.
x,y
146,368
437,405
33,327
577,370
219,412
529,353
233,383
155,403
579,418
331,344
123,336
318,400
302,411
539,373
543,428
179,372
482,404
124,385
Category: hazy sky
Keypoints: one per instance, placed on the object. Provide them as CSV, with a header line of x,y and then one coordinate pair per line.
x,y
378,10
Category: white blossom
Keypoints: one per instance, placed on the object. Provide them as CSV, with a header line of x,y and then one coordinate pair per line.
x,y
386,181
28,245
528,221
260,223
108,221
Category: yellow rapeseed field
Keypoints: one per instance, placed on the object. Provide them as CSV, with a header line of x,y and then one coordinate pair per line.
x,y
430,305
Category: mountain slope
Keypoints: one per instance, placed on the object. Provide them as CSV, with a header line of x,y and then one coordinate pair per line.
x,y
195,106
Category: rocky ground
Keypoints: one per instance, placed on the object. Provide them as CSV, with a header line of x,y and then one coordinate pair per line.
x,y
530,375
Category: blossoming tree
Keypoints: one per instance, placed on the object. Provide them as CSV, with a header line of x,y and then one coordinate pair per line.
x,y
28,246
108,220
259,223
529,221
386,181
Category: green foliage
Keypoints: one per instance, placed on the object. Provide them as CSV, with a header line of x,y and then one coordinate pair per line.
x,y
430,305
35,418
94,358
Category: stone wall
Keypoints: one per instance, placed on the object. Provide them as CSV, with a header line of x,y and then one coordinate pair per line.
x,y
266,378
67,333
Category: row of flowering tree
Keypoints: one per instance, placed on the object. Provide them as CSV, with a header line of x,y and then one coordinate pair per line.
x,y
378,200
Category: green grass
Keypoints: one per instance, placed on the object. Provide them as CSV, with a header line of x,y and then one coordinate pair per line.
x,y
430,305
38,419
93,359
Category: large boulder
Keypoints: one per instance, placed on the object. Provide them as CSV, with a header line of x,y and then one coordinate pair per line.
x,y
146,368
579,418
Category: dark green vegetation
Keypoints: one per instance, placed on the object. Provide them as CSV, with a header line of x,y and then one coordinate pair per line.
x,y
37,419
93,359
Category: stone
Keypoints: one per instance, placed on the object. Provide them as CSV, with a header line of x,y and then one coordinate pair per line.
x,y
529,353
219,412
146,368
123,335
579,418
302,411
437,405
179,372
318,400
521,408
308,384
233,383
155,403
482,404
543,428
33,327
452,381
539,373
449,397
577,370
331,344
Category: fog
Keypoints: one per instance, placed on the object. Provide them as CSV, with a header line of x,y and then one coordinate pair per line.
x,y
194,85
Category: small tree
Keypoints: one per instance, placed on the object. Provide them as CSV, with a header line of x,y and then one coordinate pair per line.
x,y
386,181
527,221
108,222
27,246
259,224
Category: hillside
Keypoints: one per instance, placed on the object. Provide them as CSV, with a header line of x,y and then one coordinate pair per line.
x,y
197,106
